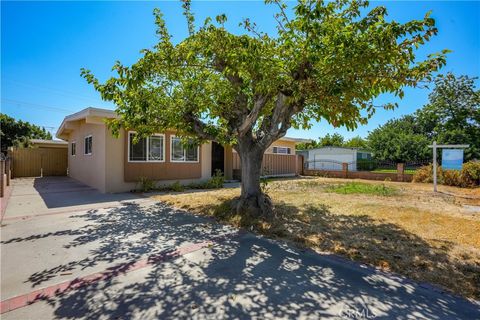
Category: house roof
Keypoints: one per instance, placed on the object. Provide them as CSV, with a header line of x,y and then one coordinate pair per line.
x,y
296,140
110,114
86,113
42,141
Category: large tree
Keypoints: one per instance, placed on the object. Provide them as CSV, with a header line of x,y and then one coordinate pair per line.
x,y
17,132
452,115
327,60
399,140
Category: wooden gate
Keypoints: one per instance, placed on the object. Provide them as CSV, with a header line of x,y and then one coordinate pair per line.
x,y
37,162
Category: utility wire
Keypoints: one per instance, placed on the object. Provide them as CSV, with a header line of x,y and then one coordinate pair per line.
x,y
59,91
18,103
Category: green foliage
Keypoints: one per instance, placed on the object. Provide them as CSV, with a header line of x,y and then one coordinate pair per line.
x,y
425,174
356,142
452,115
327,60
399,140
451,178
336,140
362,188
17,133
216,181
366,165
146,184
469,176
176,187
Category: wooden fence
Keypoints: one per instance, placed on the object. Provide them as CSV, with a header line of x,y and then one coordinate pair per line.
x,y
5,175
38,162
274,165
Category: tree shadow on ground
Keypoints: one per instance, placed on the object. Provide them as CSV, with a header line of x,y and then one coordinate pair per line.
x,y
381,244
242,277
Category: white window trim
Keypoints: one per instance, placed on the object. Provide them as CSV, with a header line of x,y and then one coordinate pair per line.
x,y
184,153
74,142
282,154
148,148
91,150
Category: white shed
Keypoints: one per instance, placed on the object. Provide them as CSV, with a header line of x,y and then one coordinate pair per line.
x,y
331,158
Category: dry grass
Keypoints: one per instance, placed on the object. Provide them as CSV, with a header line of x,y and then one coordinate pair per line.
x,y
413,232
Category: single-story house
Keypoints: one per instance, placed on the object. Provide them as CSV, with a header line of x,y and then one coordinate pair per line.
x,y
41,143
331,158
109,164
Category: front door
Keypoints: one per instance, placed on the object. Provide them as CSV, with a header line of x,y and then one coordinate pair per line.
x,y
218,158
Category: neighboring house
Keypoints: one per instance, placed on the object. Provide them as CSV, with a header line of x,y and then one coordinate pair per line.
x,y
40,143
331,158
111,164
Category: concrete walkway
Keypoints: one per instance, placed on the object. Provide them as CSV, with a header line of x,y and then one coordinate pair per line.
x,y
146,260
34,196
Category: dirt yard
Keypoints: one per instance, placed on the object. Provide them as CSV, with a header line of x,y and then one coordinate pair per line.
x,y
399,227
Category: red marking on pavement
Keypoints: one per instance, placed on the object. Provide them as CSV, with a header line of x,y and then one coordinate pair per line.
x,y
57,289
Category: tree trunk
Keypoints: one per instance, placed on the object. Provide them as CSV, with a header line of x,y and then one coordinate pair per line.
x,y
253,202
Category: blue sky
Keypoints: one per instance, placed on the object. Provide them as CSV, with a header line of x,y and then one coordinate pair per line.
x,y
44,45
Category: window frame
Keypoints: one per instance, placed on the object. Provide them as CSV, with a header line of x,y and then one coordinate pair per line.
x,y
282,147
72,145
85,145
184,153
147,160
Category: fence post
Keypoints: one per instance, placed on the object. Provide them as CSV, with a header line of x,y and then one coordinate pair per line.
x,y
8,170
2,178
345,169
400,171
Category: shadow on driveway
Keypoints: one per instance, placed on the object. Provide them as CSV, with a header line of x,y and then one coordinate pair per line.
x,y
47,194
243,277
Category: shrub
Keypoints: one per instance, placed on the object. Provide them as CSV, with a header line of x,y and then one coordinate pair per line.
x,y
216,181
146,184
470,174
452,178
425,174
177,187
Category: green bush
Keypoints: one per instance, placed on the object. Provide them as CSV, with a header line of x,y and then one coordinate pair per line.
x,y
366,165
469,176
177,187
216,181
452,178
146,184
425,174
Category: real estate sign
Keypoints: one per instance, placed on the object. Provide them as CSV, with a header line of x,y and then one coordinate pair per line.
x,y
452,159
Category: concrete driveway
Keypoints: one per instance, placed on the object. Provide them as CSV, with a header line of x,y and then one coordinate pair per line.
x,y
139,259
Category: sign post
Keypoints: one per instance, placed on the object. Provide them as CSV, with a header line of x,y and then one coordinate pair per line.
x,y
454,163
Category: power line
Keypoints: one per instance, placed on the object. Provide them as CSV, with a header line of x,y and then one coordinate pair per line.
x,y
62,92
35,105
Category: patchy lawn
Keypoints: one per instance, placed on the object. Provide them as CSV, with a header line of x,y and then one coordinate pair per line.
x,y
361,188
408,230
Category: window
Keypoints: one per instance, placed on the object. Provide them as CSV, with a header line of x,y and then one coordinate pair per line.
x,y
181,153
281,150
88,145
149,149
73,150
